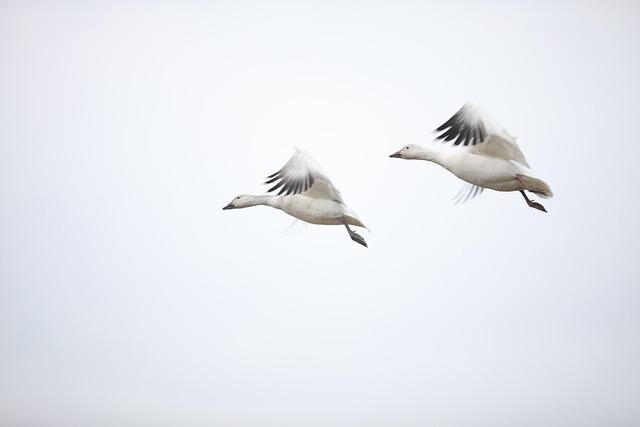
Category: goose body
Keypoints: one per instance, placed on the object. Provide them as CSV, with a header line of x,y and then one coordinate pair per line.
x,y
483,171
306,193
318,211
482,154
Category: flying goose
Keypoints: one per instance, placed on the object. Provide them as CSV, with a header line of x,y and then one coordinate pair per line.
x,y
305,192
483,154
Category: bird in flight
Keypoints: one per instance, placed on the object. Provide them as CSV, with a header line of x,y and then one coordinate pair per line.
x,y
483,154
306,193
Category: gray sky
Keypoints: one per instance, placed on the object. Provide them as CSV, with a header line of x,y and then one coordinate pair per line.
x,y
129,297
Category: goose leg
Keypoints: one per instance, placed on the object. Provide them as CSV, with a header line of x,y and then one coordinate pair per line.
x,y
355,236
531,203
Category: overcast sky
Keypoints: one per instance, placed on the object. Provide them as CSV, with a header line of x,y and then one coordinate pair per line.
x,y
128,297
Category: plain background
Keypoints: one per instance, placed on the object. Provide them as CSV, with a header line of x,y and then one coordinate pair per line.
x,y
128,297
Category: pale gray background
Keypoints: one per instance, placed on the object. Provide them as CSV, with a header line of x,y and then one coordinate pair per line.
x,y
129,298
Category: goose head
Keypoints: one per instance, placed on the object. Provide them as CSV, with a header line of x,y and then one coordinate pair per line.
x,y
409,152
418,152
241,201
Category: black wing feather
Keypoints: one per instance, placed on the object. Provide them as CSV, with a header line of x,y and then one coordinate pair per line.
x,y
289,186
464,132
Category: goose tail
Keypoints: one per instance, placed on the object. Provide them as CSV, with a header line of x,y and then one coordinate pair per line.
x,y
352,219
535,185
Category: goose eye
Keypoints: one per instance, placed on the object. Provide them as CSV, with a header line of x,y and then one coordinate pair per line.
x,y
407,147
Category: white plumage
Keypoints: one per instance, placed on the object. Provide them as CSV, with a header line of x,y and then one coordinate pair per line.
x,y
482,153
305,192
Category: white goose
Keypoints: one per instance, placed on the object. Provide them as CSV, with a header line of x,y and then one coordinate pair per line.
x,y
483,154
305,193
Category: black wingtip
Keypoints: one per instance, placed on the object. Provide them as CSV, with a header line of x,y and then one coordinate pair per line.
x,y
458,128
272,178
275,187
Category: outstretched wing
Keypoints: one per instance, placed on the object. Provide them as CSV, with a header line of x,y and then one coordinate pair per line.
x,y
467,192
301,174
470,126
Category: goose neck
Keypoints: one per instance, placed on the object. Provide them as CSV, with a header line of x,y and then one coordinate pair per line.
x,y
268,200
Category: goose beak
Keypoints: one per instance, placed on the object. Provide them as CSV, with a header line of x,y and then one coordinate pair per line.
x,y
397,155
229,206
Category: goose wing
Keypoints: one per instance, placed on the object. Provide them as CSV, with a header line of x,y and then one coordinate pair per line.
x,y
474,129
467,192
301,174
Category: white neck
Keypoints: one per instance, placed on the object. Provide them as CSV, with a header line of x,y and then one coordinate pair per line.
x,y
268,200
430,153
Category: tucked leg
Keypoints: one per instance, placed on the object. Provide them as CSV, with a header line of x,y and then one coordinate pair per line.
x,y
531,203
355,236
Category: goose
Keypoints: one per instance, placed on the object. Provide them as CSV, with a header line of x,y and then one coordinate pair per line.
x,y
306,193
483,154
